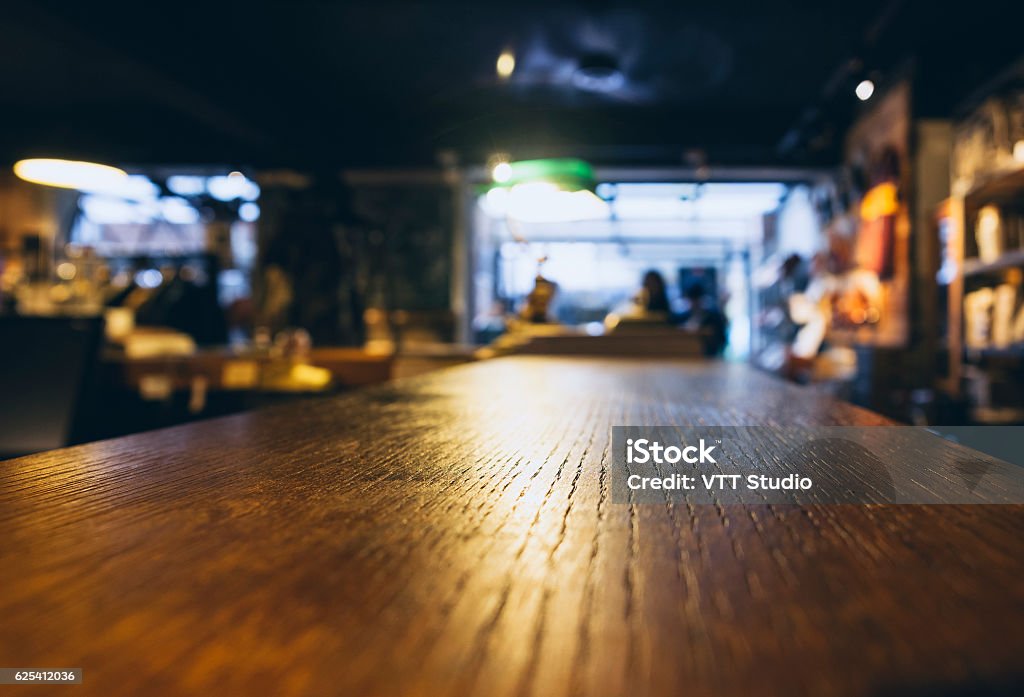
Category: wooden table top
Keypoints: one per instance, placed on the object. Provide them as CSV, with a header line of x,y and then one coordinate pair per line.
x,y
453,534
225,369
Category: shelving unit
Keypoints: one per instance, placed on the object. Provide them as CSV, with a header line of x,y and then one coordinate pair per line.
x,y
989,378
1009,260
997,186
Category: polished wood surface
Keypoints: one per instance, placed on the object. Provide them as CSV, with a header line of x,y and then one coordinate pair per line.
x,y
453,534
222,369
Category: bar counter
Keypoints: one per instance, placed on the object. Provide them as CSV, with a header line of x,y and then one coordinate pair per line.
x,y
453,534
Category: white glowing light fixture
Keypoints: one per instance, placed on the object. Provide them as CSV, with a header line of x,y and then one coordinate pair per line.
x,y
684,201
495,202
177,210
544,202
70,174
502,172
864,90
232,186
506,65
135,187
149,278
249,212
186,185
108,210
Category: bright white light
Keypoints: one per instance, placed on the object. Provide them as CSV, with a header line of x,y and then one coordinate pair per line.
x,y
713,201
251,192
733,209
69,174
249,212
864,90
135,187
502,172
149,278
740,190
647,190
651,208
233,186
495,203
1018,151
177,210
707,203
87,177
184,185
506,65
543,202
105,210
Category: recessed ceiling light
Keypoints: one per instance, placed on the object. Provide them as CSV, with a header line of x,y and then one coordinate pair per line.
x,y
506,65
502,172
598,72
864,90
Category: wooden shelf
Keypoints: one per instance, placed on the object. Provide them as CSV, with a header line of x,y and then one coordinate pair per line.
x,y
996,187
1009,260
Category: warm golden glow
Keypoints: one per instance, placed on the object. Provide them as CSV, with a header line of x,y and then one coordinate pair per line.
x,y
506,64
880,201
69,174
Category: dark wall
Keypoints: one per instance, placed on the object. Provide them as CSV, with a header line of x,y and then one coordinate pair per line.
x,y
329,250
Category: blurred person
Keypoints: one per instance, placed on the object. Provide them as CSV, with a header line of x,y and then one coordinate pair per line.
x,y
654,294
703,316
536,309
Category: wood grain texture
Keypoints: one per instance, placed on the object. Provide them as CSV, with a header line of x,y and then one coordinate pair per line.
x,y
349,367
453,534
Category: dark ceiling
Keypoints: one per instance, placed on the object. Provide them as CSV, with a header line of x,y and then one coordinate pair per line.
x,y
319,83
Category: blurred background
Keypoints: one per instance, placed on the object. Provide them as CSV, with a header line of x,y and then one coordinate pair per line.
x,y
208,207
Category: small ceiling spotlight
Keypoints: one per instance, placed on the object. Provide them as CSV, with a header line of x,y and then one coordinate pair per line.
x,y
598,72
502,172
506,65
864,90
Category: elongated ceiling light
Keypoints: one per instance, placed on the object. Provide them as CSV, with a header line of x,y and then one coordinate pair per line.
x,y
70,174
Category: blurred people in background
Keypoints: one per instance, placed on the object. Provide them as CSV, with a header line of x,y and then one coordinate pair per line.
x,y
654,295
179,296
703,316
537,307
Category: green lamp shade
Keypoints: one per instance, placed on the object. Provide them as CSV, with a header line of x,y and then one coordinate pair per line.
x,y
569,174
